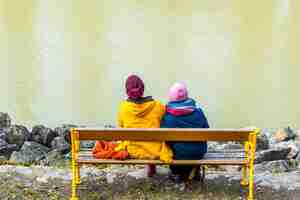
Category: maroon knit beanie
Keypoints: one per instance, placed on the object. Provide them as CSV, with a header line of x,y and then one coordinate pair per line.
x,y
134,87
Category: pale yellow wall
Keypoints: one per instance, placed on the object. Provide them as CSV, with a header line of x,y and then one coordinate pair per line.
x,y
66,61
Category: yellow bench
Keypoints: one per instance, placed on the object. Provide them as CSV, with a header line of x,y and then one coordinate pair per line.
x,y
247,136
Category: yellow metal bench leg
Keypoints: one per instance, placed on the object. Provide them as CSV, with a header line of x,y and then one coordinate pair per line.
x,y
75,167
244,181
74,181
251,182
77,174
251,164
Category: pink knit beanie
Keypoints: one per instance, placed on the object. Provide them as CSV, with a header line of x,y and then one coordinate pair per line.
x,y
178,92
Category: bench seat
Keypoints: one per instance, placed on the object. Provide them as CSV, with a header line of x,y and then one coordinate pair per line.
x,y
240,157
211,158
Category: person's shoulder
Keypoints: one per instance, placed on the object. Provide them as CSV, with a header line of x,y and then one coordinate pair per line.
x,y
191,101
200,111
157,101
197,105
159,105
124,104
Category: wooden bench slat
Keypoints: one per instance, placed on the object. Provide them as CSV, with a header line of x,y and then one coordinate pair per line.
x,y
164,134
97,129
88,150
86,157
158,162
209,155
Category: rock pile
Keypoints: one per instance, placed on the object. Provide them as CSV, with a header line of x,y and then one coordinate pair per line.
x,y
283,152
276,150
19,145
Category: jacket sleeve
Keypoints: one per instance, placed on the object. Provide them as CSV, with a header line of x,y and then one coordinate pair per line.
x,y
204,121
162,110
205,124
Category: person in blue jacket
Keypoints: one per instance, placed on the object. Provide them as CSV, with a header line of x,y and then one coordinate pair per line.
x,y
182,112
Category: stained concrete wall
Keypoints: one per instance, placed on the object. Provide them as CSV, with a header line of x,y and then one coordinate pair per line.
x,y
66,61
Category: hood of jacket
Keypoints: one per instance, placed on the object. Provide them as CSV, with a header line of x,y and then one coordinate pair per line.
x,y
182,107
139,109
146,114
184,114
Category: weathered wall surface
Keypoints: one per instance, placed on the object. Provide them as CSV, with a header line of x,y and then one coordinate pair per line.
x,y
66,61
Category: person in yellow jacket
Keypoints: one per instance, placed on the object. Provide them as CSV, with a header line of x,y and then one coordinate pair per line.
x,y
142,112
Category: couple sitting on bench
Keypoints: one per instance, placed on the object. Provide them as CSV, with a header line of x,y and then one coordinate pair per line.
x,y
145,112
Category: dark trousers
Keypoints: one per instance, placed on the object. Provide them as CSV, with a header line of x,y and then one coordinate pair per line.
x,y
184,170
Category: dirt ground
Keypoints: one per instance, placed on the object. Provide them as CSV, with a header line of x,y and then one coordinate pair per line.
x,y
25,186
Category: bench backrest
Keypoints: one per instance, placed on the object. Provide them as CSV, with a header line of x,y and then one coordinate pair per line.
x,y
163,134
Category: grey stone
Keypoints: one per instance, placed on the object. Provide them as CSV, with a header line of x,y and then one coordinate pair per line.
x,y
262,142
262,176
270,133
260,168
3,159
31,152
279,182
110,178
294,146
60,144
17,134
298,157
53,158
219,147
277,166
5,120
6,149
87,144
138,174
215,146
2,134
64,131
232,145
212,146
291,133
279,153
285,134
43,135
104,195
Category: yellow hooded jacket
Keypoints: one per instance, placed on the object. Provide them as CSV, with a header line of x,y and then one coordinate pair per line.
x,y
143,115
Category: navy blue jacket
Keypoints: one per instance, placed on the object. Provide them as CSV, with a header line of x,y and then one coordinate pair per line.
x,y
195,118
